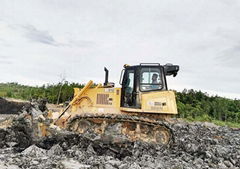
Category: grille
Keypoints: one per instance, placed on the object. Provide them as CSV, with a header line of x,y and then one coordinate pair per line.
x,y
103,99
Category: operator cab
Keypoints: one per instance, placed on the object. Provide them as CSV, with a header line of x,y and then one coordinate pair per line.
x,y
143,78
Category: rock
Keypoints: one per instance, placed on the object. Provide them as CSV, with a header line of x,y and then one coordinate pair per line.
x,y
221,151
198,161
195,146
90,150
34,151
55,150
228,164
123,166
36,113
109,166
211,125
114,163
232,161
208,154
191,148
11,144
147,161
6,166
177,166
222,165
135,166
13,107
73,164
34,162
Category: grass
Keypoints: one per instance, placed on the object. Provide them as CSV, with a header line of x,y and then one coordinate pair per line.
x,y
217,122
229,124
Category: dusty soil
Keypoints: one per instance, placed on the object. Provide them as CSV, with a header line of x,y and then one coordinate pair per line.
x,y
196,145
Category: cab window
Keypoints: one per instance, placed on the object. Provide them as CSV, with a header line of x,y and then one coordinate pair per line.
x,y
150,79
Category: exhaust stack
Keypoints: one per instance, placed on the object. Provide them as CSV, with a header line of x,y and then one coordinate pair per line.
x,y
106,76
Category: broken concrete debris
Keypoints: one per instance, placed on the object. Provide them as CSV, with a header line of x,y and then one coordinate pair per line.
x,y
196,145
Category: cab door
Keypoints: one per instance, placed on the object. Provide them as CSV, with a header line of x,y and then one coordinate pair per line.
x,y
128,98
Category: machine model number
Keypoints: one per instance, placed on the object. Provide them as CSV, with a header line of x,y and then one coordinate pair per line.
x,y
109,90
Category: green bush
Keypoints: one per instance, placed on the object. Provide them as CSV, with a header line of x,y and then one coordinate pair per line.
x,y
192,105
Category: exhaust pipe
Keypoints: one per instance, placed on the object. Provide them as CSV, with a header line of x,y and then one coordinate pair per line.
x,y
106,76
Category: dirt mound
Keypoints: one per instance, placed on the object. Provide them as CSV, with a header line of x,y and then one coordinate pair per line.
x,y
12,107
196,145
19,123
18,136
17,107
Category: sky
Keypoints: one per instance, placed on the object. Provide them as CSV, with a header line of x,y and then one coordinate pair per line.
x,y
44,41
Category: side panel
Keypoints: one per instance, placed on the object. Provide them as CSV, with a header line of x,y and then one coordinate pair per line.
x,y
159,102
98,100
106,97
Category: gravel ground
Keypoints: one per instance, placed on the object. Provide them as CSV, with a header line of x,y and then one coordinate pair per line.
x,y
196,145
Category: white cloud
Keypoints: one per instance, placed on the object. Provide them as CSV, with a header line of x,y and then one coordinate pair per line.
x,y
43,39
38,36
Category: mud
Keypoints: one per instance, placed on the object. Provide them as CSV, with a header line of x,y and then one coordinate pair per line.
x,y
196,145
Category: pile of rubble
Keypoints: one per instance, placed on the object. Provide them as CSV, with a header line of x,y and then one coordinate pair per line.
x,y
196,145
13,107
17,124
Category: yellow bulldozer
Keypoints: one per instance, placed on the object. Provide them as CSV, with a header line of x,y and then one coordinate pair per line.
x,y
138,110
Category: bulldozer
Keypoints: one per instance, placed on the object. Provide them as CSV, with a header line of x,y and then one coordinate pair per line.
x,y
138,110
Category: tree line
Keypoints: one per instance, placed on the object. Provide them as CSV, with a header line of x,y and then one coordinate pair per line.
x,y
198,105
54,93
192,104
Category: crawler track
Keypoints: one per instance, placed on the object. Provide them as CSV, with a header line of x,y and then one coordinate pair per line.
x,y
122,127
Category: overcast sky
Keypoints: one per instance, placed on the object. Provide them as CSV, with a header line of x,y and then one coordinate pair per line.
x,y
44,40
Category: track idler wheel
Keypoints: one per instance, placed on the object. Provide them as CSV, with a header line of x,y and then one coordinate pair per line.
x,y
162,135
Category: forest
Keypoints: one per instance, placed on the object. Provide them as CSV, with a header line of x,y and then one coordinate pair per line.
x,y
192,105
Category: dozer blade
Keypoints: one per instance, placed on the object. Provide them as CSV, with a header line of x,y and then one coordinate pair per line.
x,y
119,128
